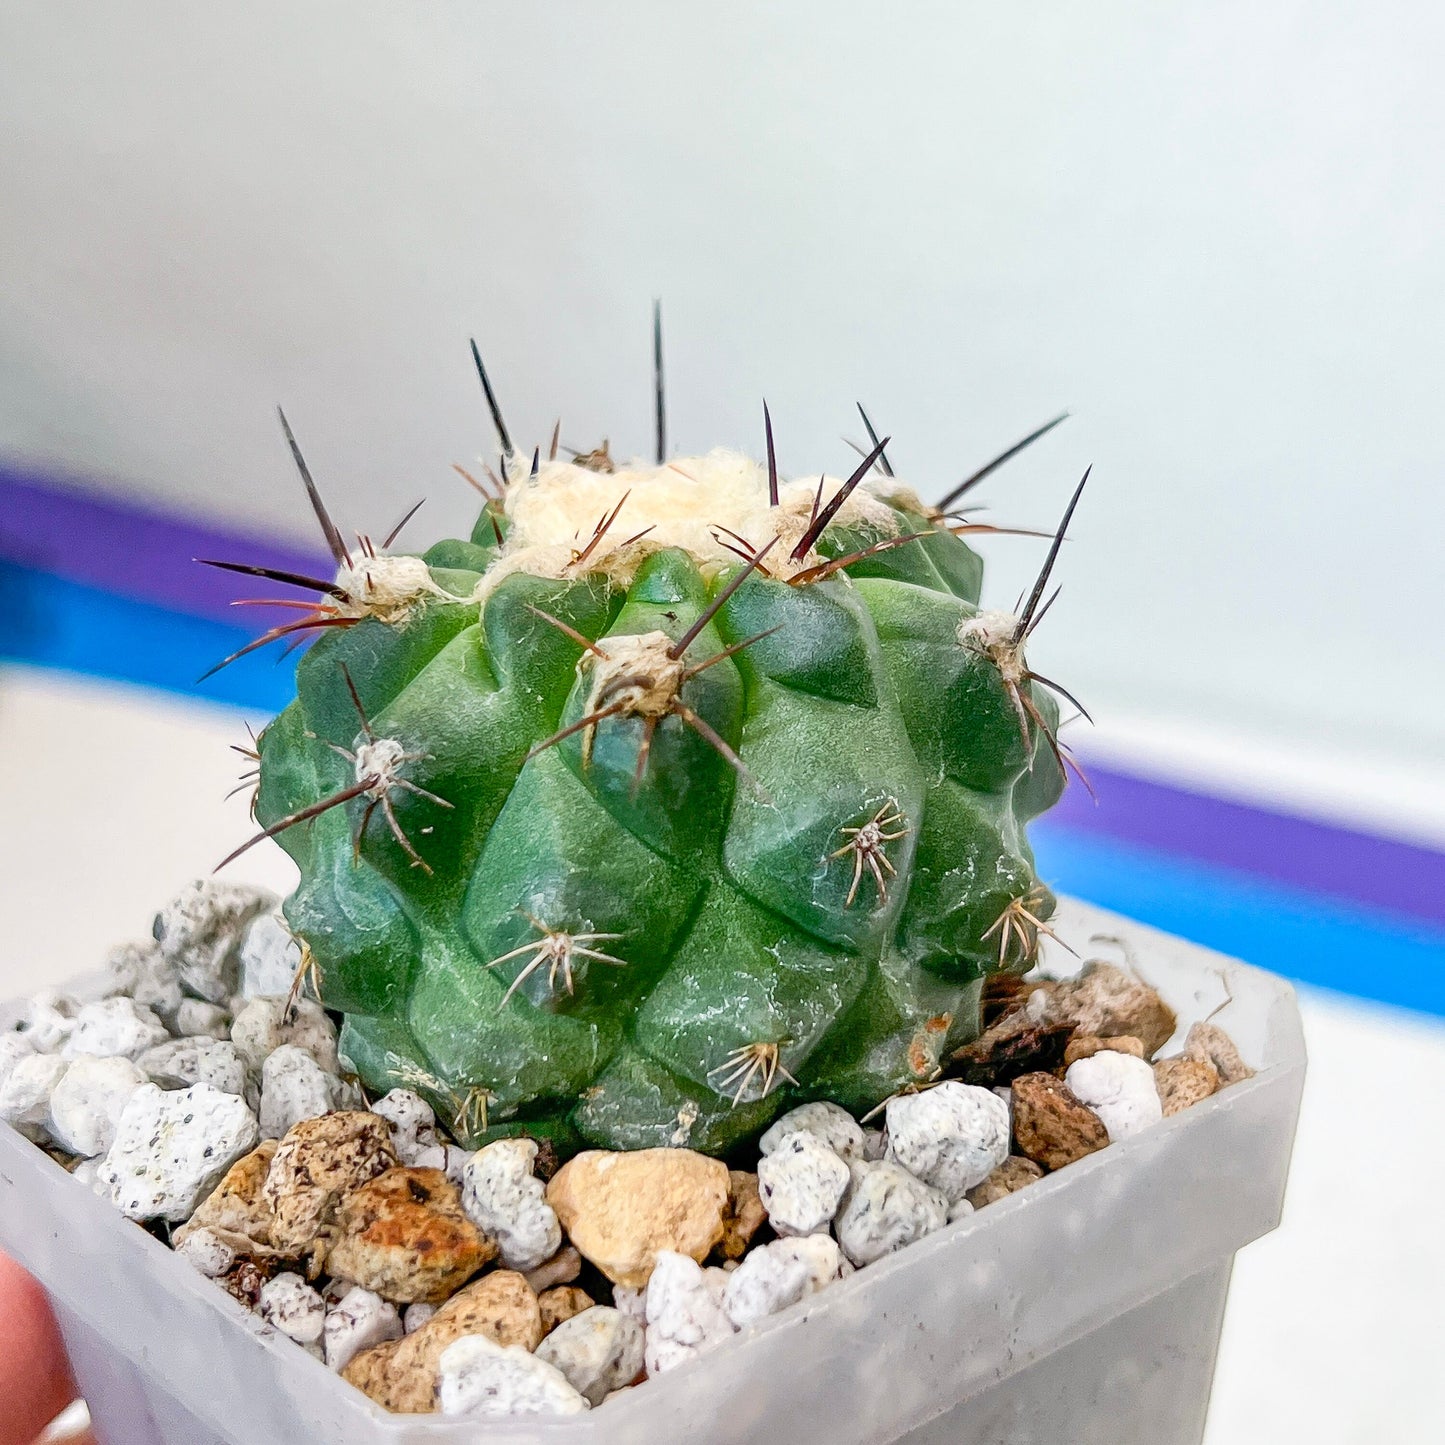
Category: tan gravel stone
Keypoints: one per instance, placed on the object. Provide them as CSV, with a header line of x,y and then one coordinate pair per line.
x,y
1184,1082
1085,1046
1105,1001
318,1162
1052,1127
561,1304
401,1375
1012,1175
1211,1044
743,1216
403,1236
620,1210
236,1209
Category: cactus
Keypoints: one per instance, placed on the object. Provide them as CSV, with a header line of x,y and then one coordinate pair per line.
x,y
673,796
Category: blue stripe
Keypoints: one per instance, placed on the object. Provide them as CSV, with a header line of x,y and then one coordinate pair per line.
x,y
55,623
1307,937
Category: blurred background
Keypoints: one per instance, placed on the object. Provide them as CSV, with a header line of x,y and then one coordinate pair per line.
x,y
1211,233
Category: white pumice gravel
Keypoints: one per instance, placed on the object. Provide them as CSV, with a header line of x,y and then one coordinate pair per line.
x,y
1119,1088
171,1149
684,1315
959,1209
49,1021
269,957
207,1253
886,1208
87,1172
598,1350
451,1159
179,1063
773,1276
13,1048
478,1377
263,1026
629,1301
356,1322
25,1094
716,1278
140,971
413,1124
114,1027
290,1305
504,1199
295,1087
415,1316
415,1137
87,1102
801,1184
832,1124
200,931
951,1136
196,1019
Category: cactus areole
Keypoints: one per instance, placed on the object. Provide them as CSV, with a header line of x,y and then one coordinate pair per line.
x,y
675,795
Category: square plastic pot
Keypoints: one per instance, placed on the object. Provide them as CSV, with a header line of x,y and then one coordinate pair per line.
x,y
1084,1309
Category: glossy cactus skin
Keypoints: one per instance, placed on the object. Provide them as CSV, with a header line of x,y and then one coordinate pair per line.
x,y
674,952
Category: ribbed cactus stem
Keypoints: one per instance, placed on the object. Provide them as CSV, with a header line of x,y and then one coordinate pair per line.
x,y
677,793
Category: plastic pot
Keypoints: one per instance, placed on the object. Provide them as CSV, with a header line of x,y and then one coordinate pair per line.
x,y
1085,1308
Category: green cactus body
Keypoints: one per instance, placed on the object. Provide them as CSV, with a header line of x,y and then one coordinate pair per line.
x,y
779,865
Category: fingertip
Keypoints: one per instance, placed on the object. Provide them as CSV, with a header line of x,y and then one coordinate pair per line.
x,y
35,1379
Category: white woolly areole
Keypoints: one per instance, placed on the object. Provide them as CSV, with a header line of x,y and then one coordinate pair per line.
x,y
687,503
988,630
379,758
384,587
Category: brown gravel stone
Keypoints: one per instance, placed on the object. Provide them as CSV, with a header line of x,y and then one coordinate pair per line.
x,y
620,1210
562,1268
318,1162
1010,1176
1052,1127
401,1375
1084,1046
1184,1082
561,1304
236,1209
403,1236
1209,1043
1105,1001
743,1217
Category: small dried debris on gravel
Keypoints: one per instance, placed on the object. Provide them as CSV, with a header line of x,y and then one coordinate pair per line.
x,y
193,1094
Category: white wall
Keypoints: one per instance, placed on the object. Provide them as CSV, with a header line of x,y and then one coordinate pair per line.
x,y
1212,231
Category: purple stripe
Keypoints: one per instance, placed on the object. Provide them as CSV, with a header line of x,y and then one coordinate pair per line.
x,y
121,548
1401,878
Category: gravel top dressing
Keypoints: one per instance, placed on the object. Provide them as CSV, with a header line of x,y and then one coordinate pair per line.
x,y
438,1278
